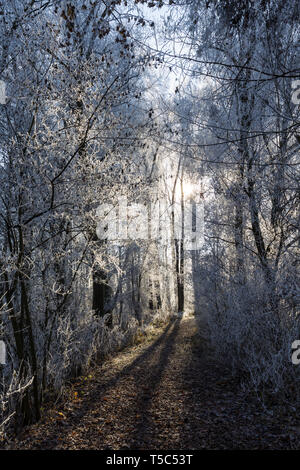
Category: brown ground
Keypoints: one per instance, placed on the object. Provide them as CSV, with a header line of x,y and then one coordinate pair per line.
x,y
166,393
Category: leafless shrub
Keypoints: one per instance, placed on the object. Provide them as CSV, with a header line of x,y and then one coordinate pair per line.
x,y
256,341
10,396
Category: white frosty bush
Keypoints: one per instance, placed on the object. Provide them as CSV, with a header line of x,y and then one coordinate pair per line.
x,y
256,340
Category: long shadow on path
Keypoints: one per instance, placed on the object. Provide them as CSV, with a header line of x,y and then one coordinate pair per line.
x,y
143,434
102,388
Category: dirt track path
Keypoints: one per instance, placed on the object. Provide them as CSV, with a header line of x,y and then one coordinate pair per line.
x,y
166,393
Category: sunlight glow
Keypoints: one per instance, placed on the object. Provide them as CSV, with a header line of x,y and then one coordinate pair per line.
x,y
188,189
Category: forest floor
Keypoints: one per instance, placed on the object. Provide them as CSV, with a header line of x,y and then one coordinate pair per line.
x,y
164,393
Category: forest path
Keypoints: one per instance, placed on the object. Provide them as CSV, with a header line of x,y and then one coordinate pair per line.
x,y
165,393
